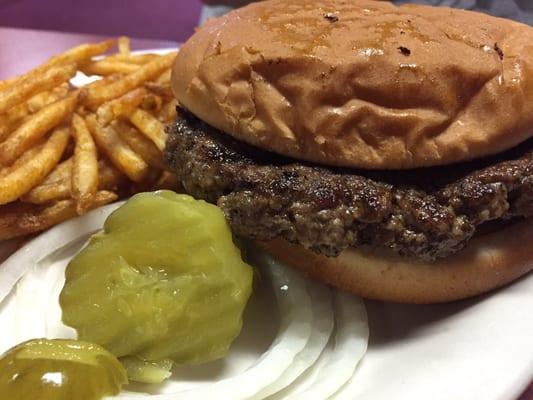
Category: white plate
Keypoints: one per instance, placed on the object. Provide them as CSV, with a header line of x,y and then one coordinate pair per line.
x,y
477,349
468,350
316,327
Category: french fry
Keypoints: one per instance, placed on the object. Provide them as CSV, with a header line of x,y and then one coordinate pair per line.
x,y
150,127
168,112
146,185
140,144
4,84
108,67
159,89
121,106
152,103
167,180
57,185
138,59
120,154
15,114
44,98
46,193
98,84
120,116
22,160
19,114
109,178
95,85
21,180
24,219
124,45
60,173
12,119
33,84
36,127
84,167
80,54
164,78
94,98
6,127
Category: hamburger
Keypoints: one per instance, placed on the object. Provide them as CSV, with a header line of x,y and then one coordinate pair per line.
x,y
383,150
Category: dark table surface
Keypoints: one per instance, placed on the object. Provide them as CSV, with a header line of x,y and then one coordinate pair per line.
x,y
22,49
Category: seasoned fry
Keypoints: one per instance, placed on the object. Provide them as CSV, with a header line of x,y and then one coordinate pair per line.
x,y
33,84
146,185
159,89
46,193
22,179
15,114
133,59
60,173
6,127
12,119
96,97
164,78
150,127
23,219
120,154
44,98
124,45
57,185
168,112
95,85
36,127
4,84
140,144
22,160
167,180
116,122
152,103
109,178
121,106
108,67
98,84
80,54
84,167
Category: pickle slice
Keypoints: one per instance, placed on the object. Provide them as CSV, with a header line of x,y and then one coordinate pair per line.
x,y
162,281
45,369
147,371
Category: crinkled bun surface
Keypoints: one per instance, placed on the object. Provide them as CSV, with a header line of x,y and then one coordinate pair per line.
x,y
362,83
488,262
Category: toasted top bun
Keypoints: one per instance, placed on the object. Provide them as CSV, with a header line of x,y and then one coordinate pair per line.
x,y
488,262
362,83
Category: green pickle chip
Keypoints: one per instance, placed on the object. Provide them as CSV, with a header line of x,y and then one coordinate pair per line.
x,y
43,369
162,282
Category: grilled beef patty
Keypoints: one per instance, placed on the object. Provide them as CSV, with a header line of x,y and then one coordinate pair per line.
x,y
427,213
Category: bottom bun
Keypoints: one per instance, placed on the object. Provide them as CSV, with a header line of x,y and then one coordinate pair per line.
x,y
488,262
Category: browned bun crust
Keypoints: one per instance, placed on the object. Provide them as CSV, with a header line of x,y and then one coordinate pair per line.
x,y
362,83
488,262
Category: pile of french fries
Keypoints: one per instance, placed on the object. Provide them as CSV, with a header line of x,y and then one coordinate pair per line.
x,y
65,150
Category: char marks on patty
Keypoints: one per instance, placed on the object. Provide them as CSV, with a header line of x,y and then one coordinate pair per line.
x,y
426,213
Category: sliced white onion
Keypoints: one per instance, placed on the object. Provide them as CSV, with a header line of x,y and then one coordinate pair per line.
x,y
46,244
322,328
303,362
295,330
351,342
